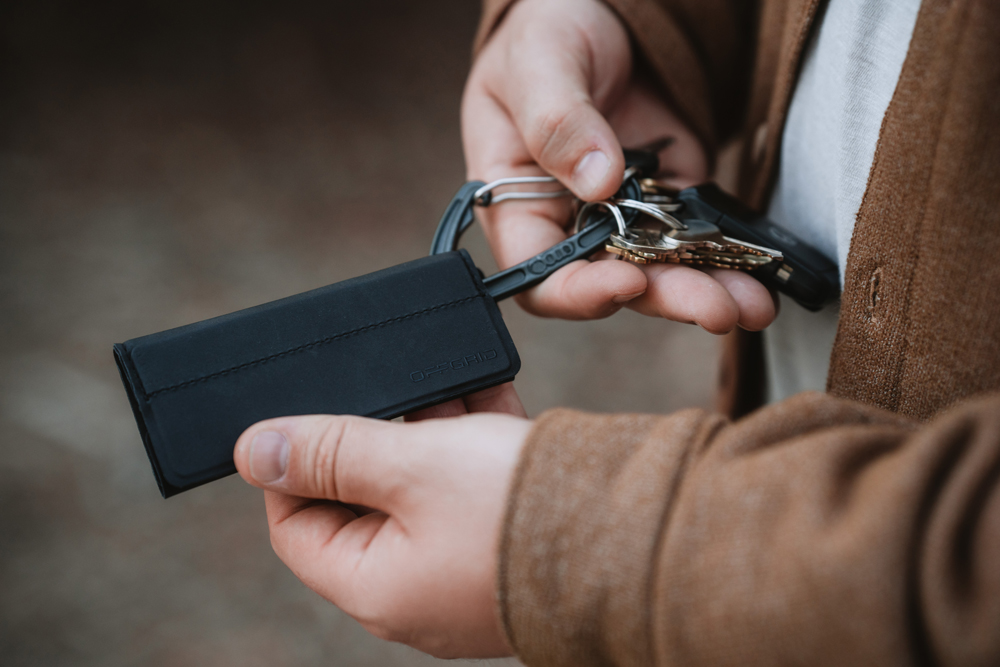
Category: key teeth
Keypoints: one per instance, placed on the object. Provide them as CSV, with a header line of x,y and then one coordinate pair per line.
x,y
641,245
621,253
741,262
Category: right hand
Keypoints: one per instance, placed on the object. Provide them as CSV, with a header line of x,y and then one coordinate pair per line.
x,y
554,91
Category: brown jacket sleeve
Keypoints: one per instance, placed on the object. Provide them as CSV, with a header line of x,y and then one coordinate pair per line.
x,y
699,50
816,531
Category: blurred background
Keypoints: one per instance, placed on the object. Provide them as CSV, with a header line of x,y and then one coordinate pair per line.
x,y
165,162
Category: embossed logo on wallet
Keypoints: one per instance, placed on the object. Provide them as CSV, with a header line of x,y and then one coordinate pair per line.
x,y
454,365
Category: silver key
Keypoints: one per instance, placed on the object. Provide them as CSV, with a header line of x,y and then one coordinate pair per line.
x,y
703,232
700,243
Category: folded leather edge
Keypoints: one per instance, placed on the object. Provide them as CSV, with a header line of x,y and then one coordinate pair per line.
x,y
133,389
471,270
309,345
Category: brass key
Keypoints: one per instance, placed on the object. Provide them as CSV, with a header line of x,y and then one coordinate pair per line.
x,y
700,243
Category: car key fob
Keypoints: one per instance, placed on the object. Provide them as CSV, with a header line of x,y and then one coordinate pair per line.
x,y
805,274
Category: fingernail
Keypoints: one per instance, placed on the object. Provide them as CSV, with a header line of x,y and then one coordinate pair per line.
x,y
590,172
625,298
268,456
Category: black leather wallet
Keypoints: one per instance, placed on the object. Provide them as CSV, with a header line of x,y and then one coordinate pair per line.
x,y
380,345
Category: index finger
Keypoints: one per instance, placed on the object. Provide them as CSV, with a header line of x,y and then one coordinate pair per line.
x,y
302,528
518,230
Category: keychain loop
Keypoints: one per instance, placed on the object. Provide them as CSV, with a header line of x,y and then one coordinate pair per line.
x,y
484,195
651,210
460,215
607,205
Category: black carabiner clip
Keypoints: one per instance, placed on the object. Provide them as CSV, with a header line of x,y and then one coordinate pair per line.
x,y
460,215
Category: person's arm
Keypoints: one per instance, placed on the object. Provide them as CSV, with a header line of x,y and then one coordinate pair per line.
x,y
817,531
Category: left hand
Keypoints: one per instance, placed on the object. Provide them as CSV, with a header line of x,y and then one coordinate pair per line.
x,y
396,524
555,91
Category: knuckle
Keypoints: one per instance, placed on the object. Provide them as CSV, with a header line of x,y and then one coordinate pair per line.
x,y
551,137
320,458
530,302
721,322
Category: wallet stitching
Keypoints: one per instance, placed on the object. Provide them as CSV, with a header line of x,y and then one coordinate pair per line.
x,y
306,346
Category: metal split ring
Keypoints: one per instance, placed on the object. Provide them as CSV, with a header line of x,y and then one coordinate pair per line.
x,y
615,211
651,210
484,195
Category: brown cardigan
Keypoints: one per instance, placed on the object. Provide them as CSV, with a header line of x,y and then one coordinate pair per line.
x,y
861,526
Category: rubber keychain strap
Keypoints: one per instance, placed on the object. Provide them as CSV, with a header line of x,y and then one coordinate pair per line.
x,y
460,215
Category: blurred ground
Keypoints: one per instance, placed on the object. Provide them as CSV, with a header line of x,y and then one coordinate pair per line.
x,y
161,163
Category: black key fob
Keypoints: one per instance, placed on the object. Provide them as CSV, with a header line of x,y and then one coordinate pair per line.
x,y
805,274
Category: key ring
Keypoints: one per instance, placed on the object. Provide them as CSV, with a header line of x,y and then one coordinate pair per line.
x,y
651,210
484,195
606,204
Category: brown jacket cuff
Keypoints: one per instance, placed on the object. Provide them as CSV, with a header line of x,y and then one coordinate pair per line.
x,y
814,531
578,546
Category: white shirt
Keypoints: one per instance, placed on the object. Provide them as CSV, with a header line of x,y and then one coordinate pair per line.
x,y
849,73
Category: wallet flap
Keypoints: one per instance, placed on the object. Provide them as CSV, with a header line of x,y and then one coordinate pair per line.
x,y
381,345
286,326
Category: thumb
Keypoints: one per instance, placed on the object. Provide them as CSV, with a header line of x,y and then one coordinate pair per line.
x,y
350,459
554,112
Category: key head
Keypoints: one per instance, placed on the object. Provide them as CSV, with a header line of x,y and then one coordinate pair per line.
x,y
709,236
644,242
700,232
803,273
